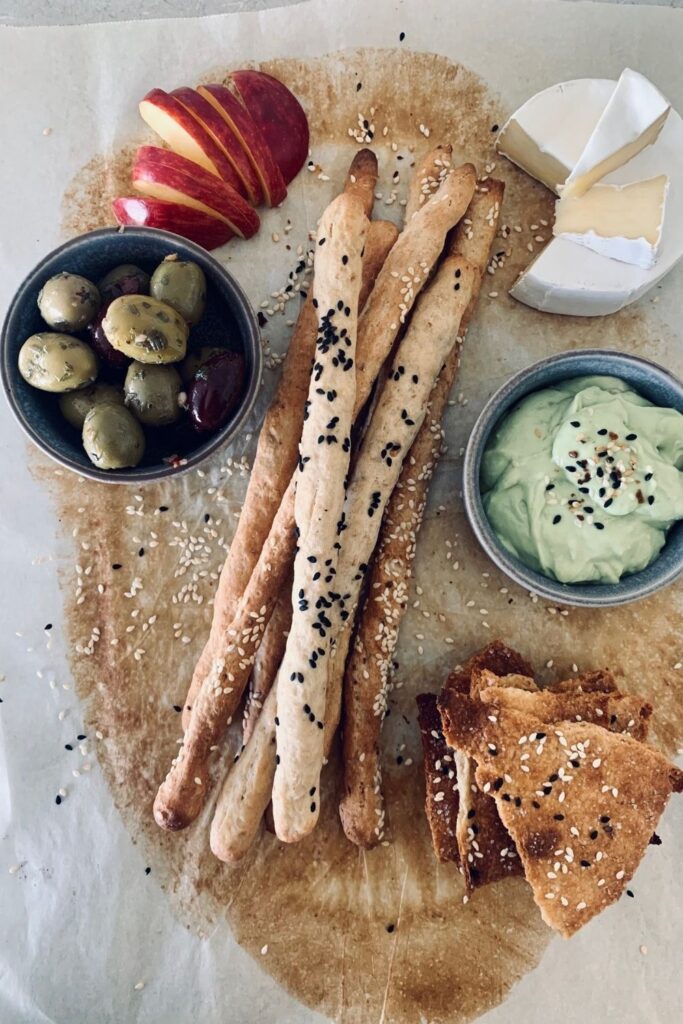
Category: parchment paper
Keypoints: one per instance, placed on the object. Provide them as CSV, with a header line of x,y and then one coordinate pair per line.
x,y
85,933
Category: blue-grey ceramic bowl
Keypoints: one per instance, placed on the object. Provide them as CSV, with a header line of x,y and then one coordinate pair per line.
x,y
229,322
654,383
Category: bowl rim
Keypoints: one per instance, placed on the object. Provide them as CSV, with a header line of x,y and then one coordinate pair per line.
x,y
251,337
584,595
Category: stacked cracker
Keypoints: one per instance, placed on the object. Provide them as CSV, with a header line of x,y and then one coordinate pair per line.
x,y
555,783
384,306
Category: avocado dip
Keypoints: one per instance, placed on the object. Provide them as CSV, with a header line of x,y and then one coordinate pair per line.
x,y
582,480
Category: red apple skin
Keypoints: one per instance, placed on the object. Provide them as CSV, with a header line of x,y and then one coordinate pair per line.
x,y
225,138
199,227
252,139
174,109
156,166
279,115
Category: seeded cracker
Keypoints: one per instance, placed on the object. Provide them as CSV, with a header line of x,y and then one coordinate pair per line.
x,y
441,801
581,817
376,334
324,457
275,458
367,681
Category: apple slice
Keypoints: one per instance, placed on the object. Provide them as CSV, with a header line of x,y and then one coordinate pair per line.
x,y
185,135
162,174
224,137
200,227
279,115
251,138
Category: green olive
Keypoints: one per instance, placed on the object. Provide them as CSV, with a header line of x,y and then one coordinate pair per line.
x,y
195,359
145,329
57,362
182,285
127,279
152,393
75,405
68,302
112,437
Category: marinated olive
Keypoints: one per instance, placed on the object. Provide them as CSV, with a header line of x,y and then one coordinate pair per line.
x,y
145,329
152,393
68,302
76,405
98,340
216,390
57,362
112,437
124,280
182,285
194,360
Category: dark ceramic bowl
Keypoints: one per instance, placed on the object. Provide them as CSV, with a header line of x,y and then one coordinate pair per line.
x,y
650,380
228,322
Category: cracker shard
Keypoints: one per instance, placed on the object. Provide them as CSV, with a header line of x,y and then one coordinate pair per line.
x,y
582,814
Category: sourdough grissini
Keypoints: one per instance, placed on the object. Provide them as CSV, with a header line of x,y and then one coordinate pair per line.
x,y
428,175
367,671
180,796
324,458
427,341
276,454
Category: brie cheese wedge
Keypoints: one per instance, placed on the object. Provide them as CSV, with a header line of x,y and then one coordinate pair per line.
x,y
547,146
631,121
622,222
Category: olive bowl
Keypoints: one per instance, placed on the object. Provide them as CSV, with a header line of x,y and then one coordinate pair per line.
x,y
652,381
228,322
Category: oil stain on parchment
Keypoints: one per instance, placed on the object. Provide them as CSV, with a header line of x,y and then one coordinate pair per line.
x,y
379,936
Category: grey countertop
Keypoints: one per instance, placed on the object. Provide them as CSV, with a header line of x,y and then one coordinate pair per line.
x,y
76,12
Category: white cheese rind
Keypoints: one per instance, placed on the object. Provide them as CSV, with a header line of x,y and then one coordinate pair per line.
x,y
548,147
632,120
621,222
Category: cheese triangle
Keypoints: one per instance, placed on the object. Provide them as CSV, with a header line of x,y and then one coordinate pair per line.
x,y
632,120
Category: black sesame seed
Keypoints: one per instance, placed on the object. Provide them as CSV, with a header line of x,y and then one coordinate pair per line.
x,y
599,526
651,499
67,746
594,834
631,437
535,803
604,818
471,813
629,892
81,736
178,708
148,870
401,36
556,519
518,801
163,508
588,510
117,565
575,423
313,807
262,319
141,553
359,86
550,487
648,476
494,127
391,928
58,799
399,759
602,432
558,817
570,469
585,863
48,627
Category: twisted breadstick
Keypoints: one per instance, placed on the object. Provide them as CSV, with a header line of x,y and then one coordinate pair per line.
x,y
180,796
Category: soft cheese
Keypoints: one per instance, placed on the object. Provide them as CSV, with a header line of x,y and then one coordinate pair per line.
x,y
547,146
632,120
622,222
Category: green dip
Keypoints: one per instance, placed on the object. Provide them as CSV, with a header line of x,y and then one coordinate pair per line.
x,y
582,480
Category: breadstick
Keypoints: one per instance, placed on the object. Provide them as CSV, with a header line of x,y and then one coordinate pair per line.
x,y
180,798
276,453
268,658
427,178
367,672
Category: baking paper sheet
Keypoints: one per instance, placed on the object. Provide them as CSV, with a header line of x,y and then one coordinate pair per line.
x,y
85,933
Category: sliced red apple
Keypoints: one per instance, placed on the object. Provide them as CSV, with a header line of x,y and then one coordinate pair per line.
x,y
224,137
279,115
251,137
162,174
200,227
173,122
